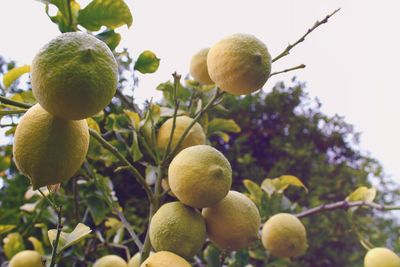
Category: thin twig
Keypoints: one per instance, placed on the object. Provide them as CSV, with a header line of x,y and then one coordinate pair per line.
x,y
14,103
129,228
302,38
69,13
55,242
139,177
302,66
345,205
12,111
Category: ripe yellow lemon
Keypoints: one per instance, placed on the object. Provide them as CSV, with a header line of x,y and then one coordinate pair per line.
x,y
284,236
47,149
177,228
239,64
135,260
165,259
110,261
198,67
195,136
26,258
200,176
232,223
381,257
74,76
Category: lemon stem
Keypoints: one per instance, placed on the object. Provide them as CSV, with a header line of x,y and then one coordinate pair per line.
x,y
301,66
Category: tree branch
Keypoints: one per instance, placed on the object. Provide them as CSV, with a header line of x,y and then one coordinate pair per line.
x,y
345,205
129,228
302,38
14,103
302,66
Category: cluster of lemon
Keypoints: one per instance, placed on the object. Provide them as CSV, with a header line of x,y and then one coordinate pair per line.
x,y
73,77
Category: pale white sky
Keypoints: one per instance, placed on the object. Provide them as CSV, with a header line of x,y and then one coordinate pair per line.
x,y
352,62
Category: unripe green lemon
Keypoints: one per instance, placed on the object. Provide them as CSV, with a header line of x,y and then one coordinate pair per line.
x,y
177,228
381,257
198,67
283,235
165,259
47,149
233,222
239,64
26,258
195,136
110,261
74,76
200,176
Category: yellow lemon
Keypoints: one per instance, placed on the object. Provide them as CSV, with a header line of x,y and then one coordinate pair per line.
x,y
165,259
135,260
26,258
74,76
381,257
110,261
47,149
198,67
195,136
177,228
200,176
239,64
283,235
232,223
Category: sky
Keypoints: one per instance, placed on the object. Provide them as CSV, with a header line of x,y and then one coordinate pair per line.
x,y
352,62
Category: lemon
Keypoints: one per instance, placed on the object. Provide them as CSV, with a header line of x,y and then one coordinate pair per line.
x,y
165,259
284,236
177,228
110,261
200,176
232,223
74,76
165,187
381,257
239,64
135,260
195,136
198,67
47,149
26,258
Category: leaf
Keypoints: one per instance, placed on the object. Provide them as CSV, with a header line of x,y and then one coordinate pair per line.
x,y
97,208
25,97
110,37
169,112
6,228
37,245
64,19
182,93
147,62
135,149
222,125
29,207
147,125
109,13
113,226
66,240
13,244
12,75
93,124
255,191
362,193
134,118
211,255
151,174
279,185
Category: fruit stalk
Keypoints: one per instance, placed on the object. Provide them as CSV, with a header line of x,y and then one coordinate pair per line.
x,y
55,242
14,103
301,66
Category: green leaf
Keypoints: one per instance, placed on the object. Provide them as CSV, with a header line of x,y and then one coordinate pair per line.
x,y
223,125
118,123
6,228
13,244
37,245
134,118
182,93
362,193
109,13
279,185
113,225
12,75
211,255
147,125
255,191
66,240
110,37
147,62
136,153
97,208
25,97
64,19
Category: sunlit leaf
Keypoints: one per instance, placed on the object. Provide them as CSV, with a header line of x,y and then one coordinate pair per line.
x,y
6,228
37,245
362,193
134,117
13,244
66,240
151,174
109,13
93,124
254,190
12,75
223,125
29,207
147,62
279,185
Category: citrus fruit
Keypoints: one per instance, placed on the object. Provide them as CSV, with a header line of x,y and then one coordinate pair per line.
x,y
177,228
381,257
165,259
165,187
47,149
233,222
195,136
74,76
26,258
110,261
135,260
198,67
200,176
283,235
239,64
